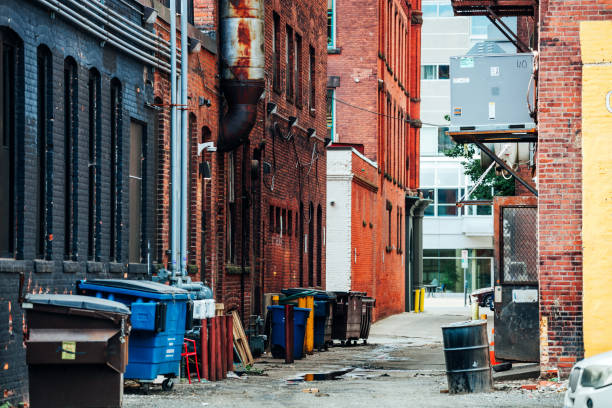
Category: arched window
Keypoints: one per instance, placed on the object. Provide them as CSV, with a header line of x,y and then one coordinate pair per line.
x,y
71,127
116,103
319,244
45,158
11,119
95,165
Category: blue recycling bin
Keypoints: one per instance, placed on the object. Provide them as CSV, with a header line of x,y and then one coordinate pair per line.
x,y
158,323
322,317
300,315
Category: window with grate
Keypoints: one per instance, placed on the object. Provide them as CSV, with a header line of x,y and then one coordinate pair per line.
x,y
299,72
311,80
290,64
71,127
116,117
44,138
95,164
276,69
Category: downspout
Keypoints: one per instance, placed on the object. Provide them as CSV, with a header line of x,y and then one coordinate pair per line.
x,y
184,136
174,221
242,68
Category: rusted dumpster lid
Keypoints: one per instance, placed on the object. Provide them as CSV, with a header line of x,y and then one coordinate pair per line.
x,y
78,302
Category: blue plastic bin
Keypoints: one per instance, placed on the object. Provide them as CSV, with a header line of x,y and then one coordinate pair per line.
x,y
158,323
300,315
321,322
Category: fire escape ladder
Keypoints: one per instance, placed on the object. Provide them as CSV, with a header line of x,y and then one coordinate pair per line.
x,y
506,31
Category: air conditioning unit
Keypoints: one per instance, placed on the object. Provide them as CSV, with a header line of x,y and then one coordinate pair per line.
x,y
491,92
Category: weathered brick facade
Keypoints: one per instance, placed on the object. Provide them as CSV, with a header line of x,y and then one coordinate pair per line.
x,y
377,106
559,172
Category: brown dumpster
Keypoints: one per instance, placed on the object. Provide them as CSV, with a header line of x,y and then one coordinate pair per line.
x,y
368,303
76,350
347,316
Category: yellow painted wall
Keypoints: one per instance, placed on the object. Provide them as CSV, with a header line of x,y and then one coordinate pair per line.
x,y
596,52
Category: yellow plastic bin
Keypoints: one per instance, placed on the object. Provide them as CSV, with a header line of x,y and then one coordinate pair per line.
x,y
308,303
417,300
422,305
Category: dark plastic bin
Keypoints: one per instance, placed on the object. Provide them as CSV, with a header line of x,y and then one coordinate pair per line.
x,y
159,313
367,304
300,315
347,316
322,323
76,350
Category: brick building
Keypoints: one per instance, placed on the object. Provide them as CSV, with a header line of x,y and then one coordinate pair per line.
x,y
373,99
552,28
273,218
85,152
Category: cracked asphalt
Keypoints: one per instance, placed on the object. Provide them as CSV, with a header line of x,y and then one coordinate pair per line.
x,y
402,365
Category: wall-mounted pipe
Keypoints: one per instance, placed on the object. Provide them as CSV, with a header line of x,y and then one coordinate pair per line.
x,y
242,68
184,136
174,165
103,35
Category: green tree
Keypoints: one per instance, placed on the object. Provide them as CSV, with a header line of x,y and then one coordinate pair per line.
x,y
473,169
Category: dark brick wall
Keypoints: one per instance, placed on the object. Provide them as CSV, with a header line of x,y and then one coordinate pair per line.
x,y
35,26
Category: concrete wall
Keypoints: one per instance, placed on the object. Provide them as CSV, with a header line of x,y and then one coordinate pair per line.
x,y
596,52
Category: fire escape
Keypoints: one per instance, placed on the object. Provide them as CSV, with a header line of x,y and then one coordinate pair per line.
x,y
494,10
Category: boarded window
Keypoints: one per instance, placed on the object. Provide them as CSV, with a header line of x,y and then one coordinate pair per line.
x,y
135,192
71,126
44,137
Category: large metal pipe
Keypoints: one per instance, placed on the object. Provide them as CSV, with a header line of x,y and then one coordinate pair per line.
x,y
242,70
184,136
174,165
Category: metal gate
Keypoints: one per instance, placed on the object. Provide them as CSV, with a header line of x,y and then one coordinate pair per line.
x,y
516,291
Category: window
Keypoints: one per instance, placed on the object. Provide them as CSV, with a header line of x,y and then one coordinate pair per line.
x,y
432,72
276,72
437,9
331,24
311,80
479,26
311,223
389,225
271,220
277,228
137,158
444,141
289,223
331,113
116,132
319,244
71,126
299,72
95,164
190,14
231,210
9,50
290,63
44,137
283,218
301,247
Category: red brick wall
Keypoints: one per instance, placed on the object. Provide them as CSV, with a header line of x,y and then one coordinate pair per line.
x,y
379,74
559,176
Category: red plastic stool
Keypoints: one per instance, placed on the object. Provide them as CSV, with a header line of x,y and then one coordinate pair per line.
x,y
187,354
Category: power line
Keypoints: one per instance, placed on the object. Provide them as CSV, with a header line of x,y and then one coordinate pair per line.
x,y
380,114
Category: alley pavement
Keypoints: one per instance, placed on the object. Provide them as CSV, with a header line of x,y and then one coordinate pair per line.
x,y
402,365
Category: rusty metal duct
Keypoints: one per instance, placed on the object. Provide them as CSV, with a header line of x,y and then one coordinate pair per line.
x,y
242,70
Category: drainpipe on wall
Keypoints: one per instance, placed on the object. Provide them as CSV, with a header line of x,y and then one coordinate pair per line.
x,y
174,198
242,68
184,136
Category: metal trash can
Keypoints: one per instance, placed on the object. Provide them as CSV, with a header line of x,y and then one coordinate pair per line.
x,y
466,351
76,350
368,303
347,316
159,314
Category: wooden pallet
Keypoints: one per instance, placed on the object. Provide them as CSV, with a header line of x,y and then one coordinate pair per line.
x,y
241,342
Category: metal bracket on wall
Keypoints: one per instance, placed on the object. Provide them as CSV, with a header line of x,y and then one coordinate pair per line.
x,y
503,164
506,31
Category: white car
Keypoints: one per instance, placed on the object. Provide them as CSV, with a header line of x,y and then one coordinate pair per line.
x,y
590,383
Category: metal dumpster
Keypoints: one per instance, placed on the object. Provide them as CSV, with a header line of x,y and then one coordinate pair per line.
x,y
76,350
367,304
159,313
347,316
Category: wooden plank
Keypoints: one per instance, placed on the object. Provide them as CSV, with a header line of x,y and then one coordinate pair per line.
x,y
219,309
240,340
229,323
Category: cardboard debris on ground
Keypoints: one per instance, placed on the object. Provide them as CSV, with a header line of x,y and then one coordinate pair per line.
x,y
311,390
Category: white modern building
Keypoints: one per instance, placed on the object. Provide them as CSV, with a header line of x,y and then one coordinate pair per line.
x,y
448,229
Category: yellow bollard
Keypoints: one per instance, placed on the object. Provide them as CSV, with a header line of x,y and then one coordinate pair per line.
x,y
475,310
422,299
417,301
310,325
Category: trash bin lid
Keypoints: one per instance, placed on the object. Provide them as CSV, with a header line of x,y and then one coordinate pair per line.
x,y
79,302
468,323
318,294
135,288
